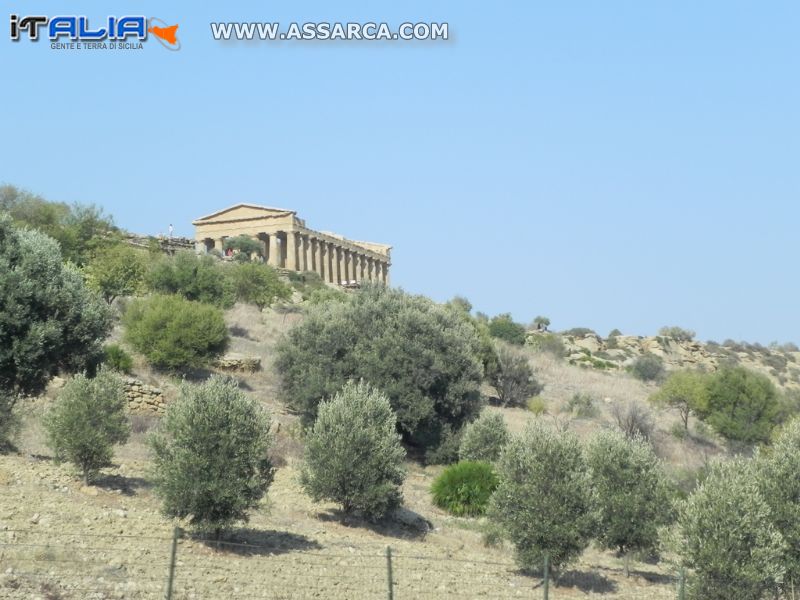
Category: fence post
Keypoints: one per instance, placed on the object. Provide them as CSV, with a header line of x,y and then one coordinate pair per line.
x,y
389,572
682,584
176,533
546,582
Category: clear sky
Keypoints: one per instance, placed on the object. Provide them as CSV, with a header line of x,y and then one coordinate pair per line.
x,y
607,164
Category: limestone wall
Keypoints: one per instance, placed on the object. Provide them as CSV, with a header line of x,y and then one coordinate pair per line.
x,y
143,398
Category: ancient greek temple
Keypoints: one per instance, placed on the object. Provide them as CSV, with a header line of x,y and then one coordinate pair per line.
x,y
286,243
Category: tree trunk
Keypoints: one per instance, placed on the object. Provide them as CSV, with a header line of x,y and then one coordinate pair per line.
x,y
626,564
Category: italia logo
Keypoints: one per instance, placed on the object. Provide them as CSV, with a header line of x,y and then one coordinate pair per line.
x,y
113,31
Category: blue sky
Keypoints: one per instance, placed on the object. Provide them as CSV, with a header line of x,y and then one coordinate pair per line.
x,y
616,164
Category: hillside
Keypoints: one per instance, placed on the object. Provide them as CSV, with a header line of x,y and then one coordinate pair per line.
x,y
65,536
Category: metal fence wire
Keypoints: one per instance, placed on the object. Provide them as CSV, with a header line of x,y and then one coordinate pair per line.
x,y
81,565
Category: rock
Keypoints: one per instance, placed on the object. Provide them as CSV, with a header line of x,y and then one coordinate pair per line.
x,y
35,518
89,490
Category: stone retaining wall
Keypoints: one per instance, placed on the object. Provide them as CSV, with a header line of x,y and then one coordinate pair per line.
x,y
143,398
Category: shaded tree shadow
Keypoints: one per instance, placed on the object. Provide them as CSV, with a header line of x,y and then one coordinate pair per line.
x,y
590,582
257,542
241,332
197,375
402,524
127,486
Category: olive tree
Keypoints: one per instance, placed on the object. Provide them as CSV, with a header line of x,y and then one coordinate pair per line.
x,y
210,455
630,488
421,355
686,391
543,503
117,271
87,420
51,322
778,467
726,535
353,453
484,439
513,379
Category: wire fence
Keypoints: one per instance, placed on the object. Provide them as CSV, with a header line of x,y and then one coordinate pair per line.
x,y
36,563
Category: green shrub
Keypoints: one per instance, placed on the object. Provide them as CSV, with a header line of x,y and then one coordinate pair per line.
x,y
513,379
484,438
537,406
353,454
543,503
582,405
116,271
257,284
50,322
198,278
245,245
308,283
116,358
504,327
648,367
725,535
420,354
614,333
631,493
86,421
175,334
679,432
578,332
9,422
325,294
446,451
540,323
549,343
633,419
464,489
210,455
742,405
677,333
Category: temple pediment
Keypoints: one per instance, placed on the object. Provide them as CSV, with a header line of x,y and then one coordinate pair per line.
x,y
241,212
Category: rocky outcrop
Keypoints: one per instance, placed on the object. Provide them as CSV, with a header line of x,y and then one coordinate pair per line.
x,y
143,398
619,352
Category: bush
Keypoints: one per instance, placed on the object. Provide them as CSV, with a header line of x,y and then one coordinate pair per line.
x,y
51,322
257,284
116,358
117,271
464,489
742,405
175,334
777,469
648,367
446,451
244,244
537,406
9,422
633,419
725,534
504,328
484,438
579,332
686,391
614,333
543,503
513,378
549,343
87,420
326,294
540,323
677,333
422,356
198,278
210,455
353,454
631,493
582,406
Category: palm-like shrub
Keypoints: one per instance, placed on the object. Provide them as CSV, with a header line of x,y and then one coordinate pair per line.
x,y
464,489
86,421
353,453
210,455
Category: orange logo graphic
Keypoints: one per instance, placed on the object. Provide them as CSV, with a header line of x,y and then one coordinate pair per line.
x,y
166,35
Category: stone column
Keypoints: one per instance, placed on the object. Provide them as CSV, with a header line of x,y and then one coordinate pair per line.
x,y
219,245
274,251
349,265
359,276
342,265
308,257
322,256
330,262
371,268
291,250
